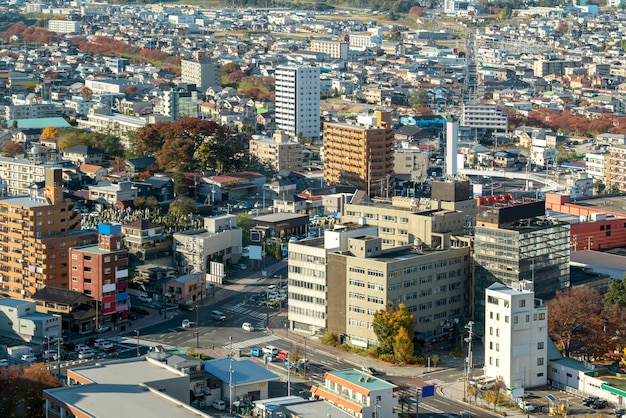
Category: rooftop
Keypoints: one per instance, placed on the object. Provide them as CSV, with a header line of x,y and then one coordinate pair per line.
x,y
245,372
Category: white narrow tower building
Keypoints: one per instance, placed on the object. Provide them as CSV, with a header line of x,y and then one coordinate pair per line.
x,y
516,335
452,139
298,101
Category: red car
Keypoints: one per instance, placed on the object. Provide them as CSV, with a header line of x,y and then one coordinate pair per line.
x,y
283,354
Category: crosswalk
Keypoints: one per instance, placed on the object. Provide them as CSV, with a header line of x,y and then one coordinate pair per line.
x,y
440,414
253,342
242,309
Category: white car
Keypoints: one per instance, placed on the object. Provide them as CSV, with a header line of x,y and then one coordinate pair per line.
x,y
28,358
4,362
86,354
219,404
247,326
186,323
81,347
103,328
271,287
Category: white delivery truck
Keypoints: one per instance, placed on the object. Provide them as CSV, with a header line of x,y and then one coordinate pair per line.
x,y
18,351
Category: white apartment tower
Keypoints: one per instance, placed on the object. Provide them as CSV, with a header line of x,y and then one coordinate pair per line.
x,y
516,335
298,101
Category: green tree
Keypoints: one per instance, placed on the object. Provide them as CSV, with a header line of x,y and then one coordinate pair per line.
x,y
599,186
180,208
617,292
245,222
418,98
180,189
111,146
387,323
403,346
614,188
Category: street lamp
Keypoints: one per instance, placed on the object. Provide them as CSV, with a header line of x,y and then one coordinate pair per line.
x,y
137,333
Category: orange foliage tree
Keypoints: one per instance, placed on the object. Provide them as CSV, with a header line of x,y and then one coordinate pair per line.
x,y
21,390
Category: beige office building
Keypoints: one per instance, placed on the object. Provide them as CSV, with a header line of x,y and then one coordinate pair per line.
x,y
282,152
433,285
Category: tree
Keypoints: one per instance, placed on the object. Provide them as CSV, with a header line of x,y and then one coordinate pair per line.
x,y
11,149
387,323
180,208
110,145
86,92
494,395
418,98
403,346
176,153
180,188
130,91
568,317
617,292
245,222
472,392
49,132
599,186
21,390
149,139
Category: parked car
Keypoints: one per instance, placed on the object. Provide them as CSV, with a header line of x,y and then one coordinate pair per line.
x,y
219,404
132,316
620,413
69,346
599,404
589,400
526,406
145,298
86,354
256,352
186,323
270,350
28,358
107,347
247,326
186,308
90,341
4,362
369,370
81,347
103,328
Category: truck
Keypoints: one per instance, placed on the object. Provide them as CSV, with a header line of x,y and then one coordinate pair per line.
x,y
18,350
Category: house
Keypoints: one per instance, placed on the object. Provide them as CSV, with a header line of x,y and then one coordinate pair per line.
x,y
83,154
145,240
162,188
358,393
75,308
185,290
250,380
110,194
231,186
136,165
94,172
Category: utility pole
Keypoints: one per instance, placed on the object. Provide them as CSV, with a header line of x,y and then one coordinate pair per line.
x,y
469,360
230,373
197,327
137,333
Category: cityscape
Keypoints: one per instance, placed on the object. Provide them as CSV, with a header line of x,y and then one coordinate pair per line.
x,y
312,209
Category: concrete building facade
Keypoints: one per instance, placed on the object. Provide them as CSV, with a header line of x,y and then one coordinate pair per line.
x,y
516,335
202,72
298,101
360,155
101,271
281,151
36,233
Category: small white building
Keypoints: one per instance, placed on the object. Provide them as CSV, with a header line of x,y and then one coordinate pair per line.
x,y
516,335
22,321
113,192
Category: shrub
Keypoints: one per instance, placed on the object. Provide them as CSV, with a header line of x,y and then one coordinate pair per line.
x,y
457,353
329,338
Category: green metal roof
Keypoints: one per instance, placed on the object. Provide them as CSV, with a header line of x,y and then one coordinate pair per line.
x,y
40,123
363,380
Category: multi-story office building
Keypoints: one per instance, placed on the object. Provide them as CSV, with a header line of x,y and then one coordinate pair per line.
x,y
617,167
432,285
36,233
281,151
101,271
309,309
516,335
484,117
298,101
438,224
360,155
333,47
512,242
202,72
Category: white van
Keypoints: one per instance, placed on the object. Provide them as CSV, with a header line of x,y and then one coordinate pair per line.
x,y
218,315
186,323
270,350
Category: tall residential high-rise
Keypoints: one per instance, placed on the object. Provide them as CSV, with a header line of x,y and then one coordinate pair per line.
x,y
513,241
36,233
202,72
516,335
298,101
101,271
360,155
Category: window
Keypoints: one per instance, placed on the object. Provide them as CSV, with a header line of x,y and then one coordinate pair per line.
x,y
540,346
527,318
540,361
522,303
497,362
491,345
490,360
542,316
515,319
490,330
497,346
506,319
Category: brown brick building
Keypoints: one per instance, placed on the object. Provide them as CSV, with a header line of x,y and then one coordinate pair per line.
x,y
36,233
